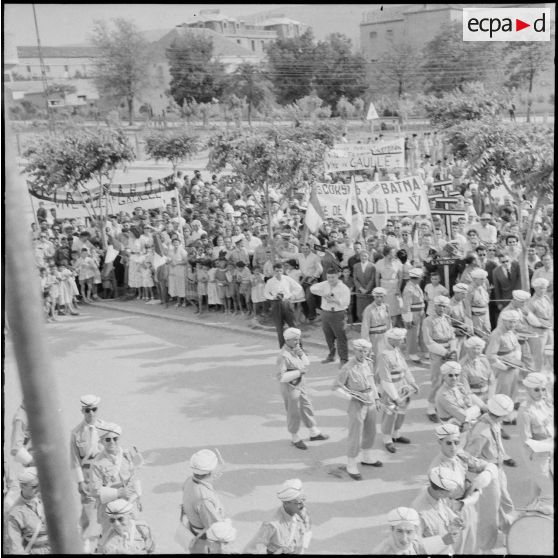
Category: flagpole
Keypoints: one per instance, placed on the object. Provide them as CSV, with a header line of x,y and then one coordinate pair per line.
x,y
180,228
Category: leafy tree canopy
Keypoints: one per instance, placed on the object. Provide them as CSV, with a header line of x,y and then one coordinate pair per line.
x,y
174,147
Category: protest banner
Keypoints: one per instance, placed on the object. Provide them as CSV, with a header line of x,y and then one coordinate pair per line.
x,y
385,154
333,199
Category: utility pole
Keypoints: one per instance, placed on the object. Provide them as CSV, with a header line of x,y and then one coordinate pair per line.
x,y
43,73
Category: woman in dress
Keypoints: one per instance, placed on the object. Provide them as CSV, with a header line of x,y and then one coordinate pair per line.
x,y
178,258
135,262
389,272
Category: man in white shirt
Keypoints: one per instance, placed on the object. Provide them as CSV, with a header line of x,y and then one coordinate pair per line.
x,y
487,232
251,242
280,289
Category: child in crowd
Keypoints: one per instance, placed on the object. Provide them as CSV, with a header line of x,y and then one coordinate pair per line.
x,y
147,282
244,281
432,290
230,287
162,282
220,282
257,292
48,307
202,278
68,288
108,277
212,294
87,269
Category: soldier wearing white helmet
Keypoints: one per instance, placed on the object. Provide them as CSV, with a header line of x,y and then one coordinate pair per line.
x,y
504,354
403,537
454,401
440,340
463,503
220,538
355,383
124,534
293,365
485,442
535,422
412,312
396,384
476,301
201,506
440,527
289,531
376,320
542,321
476,372
461,322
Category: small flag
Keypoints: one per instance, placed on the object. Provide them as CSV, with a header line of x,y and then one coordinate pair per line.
x,y
158,260
111,254
314,217
355,218
372,114
157,246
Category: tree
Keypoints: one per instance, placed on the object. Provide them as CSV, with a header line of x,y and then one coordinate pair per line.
x,y
74,160
174,147
121,68
310,106
526,62
291,67
249,82
397,70
338,72
449,62
195,75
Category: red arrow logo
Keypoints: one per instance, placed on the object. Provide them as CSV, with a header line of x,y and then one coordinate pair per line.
x,y
519,25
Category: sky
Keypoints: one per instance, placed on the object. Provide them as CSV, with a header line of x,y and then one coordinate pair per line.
x,y
61,24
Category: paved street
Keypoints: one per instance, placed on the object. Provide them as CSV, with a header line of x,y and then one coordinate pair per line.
x,y
176,388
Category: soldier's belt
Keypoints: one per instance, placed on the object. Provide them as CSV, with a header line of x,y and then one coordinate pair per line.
x,y
378,329
417,307
479,310
442,341
479,389
86,466
196,530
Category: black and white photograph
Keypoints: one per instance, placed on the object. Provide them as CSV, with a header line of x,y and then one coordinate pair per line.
x,y
278,279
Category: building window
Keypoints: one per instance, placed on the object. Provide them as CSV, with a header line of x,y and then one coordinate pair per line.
x,y
389,32
239,41
373,34
66,69
254,46
29,69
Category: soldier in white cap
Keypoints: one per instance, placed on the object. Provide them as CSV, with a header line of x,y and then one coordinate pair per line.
x,y
355,383
289,531
85,444
220,538
440,527
376,320
412,312
476,301
454,401
293,364
201,505
440,340
541,319
396,383
114,472
403,538
123,533
476,372
503,343
26,529
463,502
462,324
536,430
20,446
485,442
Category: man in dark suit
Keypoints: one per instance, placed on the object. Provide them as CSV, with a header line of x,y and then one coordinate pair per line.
x,y
364,276
506,278
489,265
330,259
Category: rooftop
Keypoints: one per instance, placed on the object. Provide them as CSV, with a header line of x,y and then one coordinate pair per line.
x,y
70,51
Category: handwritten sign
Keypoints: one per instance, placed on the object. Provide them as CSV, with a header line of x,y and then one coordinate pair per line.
x,y
333,199
387,154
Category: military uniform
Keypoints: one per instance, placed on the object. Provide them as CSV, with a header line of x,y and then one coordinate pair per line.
x,y
137,540
26,518
202,506
358,377
376,320
21,435
283,534
457,312
413,308
477,374
495,504
476,306
297,404
439,338
541,307
387,547
453,404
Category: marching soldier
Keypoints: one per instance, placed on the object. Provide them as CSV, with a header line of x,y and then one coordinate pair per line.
x,y
113,473
85,445
201,505
485,442
463,502
476,372
21,438
536,431
355,383
542,320
396,385
412,312
124,534
462,324
440,340
376,320
27,530
220,538
293,364
289,531
454,402
403,538
476,301
504,354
